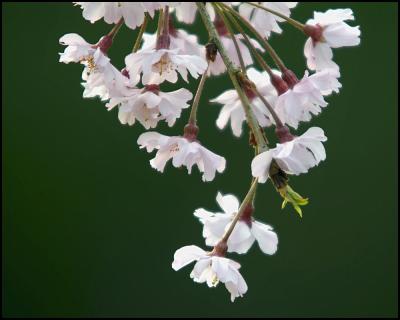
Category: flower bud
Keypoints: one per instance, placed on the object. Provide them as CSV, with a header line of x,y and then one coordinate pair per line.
x,y
279,84
247,214
283,134
314,32
190,132
289,77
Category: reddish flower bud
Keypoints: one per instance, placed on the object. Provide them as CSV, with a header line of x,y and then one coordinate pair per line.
x,y
190,132
289,77
283,134
279,84
104,44
314,32
247,215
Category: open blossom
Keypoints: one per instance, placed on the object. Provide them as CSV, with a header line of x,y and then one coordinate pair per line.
x,y
233,109
183,152
101,77
307,97
150,105
164,65
246,231
328,30
264,21
77,48
294,157
132,12
211,269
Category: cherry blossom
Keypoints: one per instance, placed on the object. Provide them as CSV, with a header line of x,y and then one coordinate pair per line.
x,y
246,231
211,269
328,30
307,97
162,65
183,152
294,157
233,110
150,105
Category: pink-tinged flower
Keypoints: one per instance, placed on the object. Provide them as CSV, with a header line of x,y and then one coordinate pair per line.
x,y
132,12
77,48
246,231
233,110
294,157
266,22
306,98
211,269
150,105
328,30
184,152
162,65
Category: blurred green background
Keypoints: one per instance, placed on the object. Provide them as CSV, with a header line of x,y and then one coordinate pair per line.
x,y
90,229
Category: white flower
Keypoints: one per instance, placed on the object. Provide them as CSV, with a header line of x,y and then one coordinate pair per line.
x,y
77,50
101,77
131,12
233,109
211,269
329,31
164,64
218,66
149,105
186,11
180,39
294,157
307,97
183,152
264,21
246,231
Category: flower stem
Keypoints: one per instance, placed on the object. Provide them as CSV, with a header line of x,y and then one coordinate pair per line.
x,y
160,22
293,22
232,34
233,74
278,61
166,21
247,200
115,29
278,122
253,50
140,35
195,104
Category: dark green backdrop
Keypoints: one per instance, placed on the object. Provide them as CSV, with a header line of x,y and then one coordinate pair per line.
x,y
89,228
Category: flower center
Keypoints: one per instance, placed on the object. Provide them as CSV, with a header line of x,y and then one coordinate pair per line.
x,y
174,148
164,65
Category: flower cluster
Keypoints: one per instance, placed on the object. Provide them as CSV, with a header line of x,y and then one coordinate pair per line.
x,y
263,98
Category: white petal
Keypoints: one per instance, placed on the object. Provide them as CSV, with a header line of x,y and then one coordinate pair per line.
x,y
186,255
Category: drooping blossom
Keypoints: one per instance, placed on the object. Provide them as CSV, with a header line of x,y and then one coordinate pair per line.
x,y
233,110
294,157
162,65
306,98
211,269
184,152
246,231
150,105
328,30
